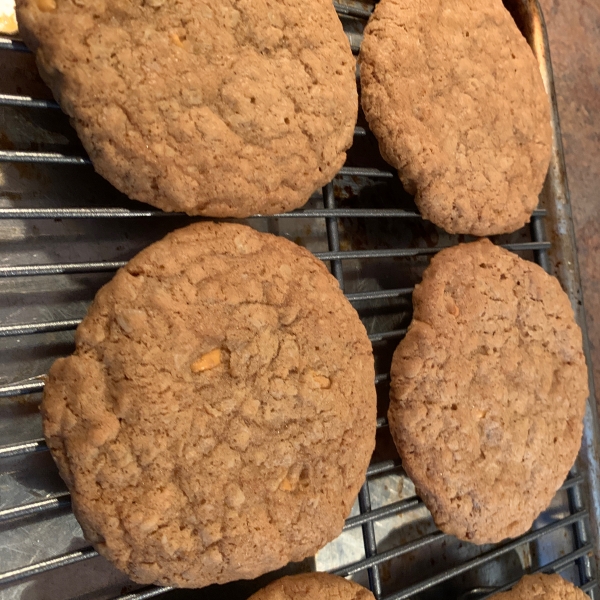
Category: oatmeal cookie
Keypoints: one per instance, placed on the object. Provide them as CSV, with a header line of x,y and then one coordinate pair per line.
x,y
488,391
313,586
223,109
543,587
455,97
218,415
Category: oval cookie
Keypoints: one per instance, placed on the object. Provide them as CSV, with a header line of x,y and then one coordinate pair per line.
x,y
218,415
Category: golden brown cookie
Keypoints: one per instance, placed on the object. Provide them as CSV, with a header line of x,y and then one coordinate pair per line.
x,y
224,109
488,391
313,586
454,95
218,415
543,587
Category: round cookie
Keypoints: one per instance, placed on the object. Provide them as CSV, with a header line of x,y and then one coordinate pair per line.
x,y
218,415
454,95
224,109
313,586
543,587
488,391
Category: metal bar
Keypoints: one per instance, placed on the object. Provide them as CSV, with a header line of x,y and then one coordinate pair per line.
x,y
23,448
333,236
145,593
366,563
32,328
30,102
61,269
47,565
124,213
82,213
59,158
351,11
119,213
571,481
379,294
21,388
388,335
7,43
390,510
35,508
484,558
538,235
362,172
370,542
49,158
410,252
26,101
588,587
90,267
378,379
560,564
385,466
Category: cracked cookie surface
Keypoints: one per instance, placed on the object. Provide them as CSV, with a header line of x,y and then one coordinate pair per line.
x,y
543,587
223,109
455,97
313,586
488,391
218,415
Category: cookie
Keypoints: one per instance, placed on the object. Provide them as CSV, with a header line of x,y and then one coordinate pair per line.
x,y
488,391
543,587
313,586
218,415
223,109
455,98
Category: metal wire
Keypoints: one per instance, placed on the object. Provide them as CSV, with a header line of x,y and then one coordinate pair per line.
x,y
34,508
21,388
123,213
146,593
23,448
46,565
332,255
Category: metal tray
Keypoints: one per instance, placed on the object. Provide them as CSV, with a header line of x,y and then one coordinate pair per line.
x,y
64,231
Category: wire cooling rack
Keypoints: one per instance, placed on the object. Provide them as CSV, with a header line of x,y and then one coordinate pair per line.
x,y
65,231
